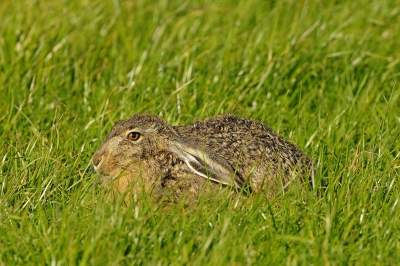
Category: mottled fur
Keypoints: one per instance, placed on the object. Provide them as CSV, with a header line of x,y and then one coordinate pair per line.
x,y
220,151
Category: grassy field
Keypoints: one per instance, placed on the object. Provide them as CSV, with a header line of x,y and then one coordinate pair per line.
x,y
324,74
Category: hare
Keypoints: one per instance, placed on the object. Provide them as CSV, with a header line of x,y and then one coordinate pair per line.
x,y
146,154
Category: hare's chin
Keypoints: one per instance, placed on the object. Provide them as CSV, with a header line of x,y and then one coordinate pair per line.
x,y
106,180
106,177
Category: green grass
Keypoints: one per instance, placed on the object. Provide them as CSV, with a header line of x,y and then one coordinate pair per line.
x,y
324,74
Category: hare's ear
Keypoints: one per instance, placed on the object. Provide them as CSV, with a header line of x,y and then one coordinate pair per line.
x,y
207,165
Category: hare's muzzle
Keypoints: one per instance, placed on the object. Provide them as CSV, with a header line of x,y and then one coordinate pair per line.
x,y
96,161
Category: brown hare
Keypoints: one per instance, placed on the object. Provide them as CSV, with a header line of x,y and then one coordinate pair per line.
x,y
146,154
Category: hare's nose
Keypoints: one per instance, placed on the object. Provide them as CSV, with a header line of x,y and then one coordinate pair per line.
x,y
96,160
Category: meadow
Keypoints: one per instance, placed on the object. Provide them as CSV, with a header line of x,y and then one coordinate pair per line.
x,y
324,74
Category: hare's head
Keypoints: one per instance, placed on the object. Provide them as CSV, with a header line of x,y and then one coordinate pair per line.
x,y
131,142
132,146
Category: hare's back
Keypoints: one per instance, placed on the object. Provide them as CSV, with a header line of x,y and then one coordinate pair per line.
x,y
229,124
233,131
232,137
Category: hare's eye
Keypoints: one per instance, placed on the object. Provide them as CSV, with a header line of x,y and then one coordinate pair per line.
x,y
133,136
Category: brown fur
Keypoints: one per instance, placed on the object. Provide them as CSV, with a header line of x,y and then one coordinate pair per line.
x,y
173,161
